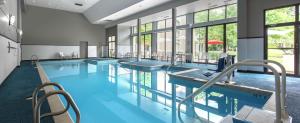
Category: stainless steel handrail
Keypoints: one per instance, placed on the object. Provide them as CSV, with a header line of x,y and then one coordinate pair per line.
x,y
283,86
230,69
35,98
37,108
34,59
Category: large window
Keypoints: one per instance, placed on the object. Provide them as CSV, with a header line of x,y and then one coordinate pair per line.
x,y
146,45
134,29
217,13
200,17
199,44
112,46
231,38
231,11
161,45
181,20
164,45
180,41
169,23
134,46
92,51
161,24
282,15
215,42
143,28
148,27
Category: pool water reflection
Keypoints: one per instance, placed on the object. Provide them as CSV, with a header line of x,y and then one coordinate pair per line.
x,y
106,92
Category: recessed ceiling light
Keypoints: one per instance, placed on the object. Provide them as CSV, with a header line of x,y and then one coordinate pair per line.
x,y
78,4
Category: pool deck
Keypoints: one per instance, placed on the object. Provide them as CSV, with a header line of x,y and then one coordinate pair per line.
x,y
14,108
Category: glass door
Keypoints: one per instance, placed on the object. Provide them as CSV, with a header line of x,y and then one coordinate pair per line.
x,y
281,46
199,44
161,46
281,37
147,41
215,42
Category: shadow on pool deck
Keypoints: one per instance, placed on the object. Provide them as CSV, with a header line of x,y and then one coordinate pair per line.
x,y
13,91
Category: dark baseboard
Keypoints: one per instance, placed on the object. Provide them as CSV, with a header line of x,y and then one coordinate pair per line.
x,y
250,71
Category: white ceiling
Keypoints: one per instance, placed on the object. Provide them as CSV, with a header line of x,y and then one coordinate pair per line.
x,y
104,11
67,5
138,7
182,10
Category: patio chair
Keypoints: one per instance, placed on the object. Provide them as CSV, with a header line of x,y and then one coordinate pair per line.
x,y
61,55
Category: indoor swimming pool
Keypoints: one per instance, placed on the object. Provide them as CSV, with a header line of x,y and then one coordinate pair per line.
x,y
108,93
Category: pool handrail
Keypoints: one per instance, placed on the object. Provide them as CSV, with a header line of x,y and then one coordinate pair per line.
x,y
230,69
37,108
283,81
34,59
35,98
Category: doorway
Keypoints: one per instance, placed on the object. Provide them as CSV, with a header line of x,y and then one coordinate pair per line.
x,y
84,49
282,37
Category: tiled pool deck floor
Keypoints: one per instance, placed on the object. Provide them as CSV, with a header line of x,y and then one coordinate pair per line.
x,y
20,84
14,108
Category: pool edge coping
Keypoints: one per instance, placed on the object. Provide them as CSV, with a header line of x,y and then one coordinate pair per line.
x,y
55,103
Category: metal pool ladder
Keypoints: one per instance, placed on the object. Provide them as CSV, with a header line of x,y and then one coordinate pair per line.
x,y
34,59
36,103
280,92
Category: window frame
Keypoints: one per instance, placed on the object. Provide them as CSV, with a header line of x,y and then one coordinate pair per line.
x,y
208,20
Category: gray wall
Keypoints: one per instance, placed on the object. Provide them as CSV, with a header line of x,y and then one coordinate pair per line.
x,y
43,26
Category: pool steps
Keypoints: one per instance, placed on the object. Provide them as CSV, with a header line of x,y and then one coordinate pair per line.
x,y
280,112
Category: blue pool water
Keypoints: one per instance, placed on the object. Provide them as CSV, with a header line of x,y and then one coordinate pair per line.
x,y
105,92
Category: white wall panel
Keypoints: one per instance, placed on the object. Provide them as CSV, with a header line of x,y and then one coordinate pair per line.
x,y
8,60
252,48
47,51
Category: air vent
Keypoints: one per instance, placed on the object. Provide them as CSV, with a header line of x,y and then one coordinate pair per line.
x,y
78,4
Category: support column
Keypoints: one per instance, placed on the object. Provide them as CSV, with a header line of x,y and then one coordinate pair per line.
x,y
174,15
189,38
154,41
138,58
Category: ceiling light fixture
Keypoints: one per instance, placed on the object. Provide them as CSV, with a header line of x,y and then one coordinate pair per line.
x,y
78,4
12,19
20,32
2,2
